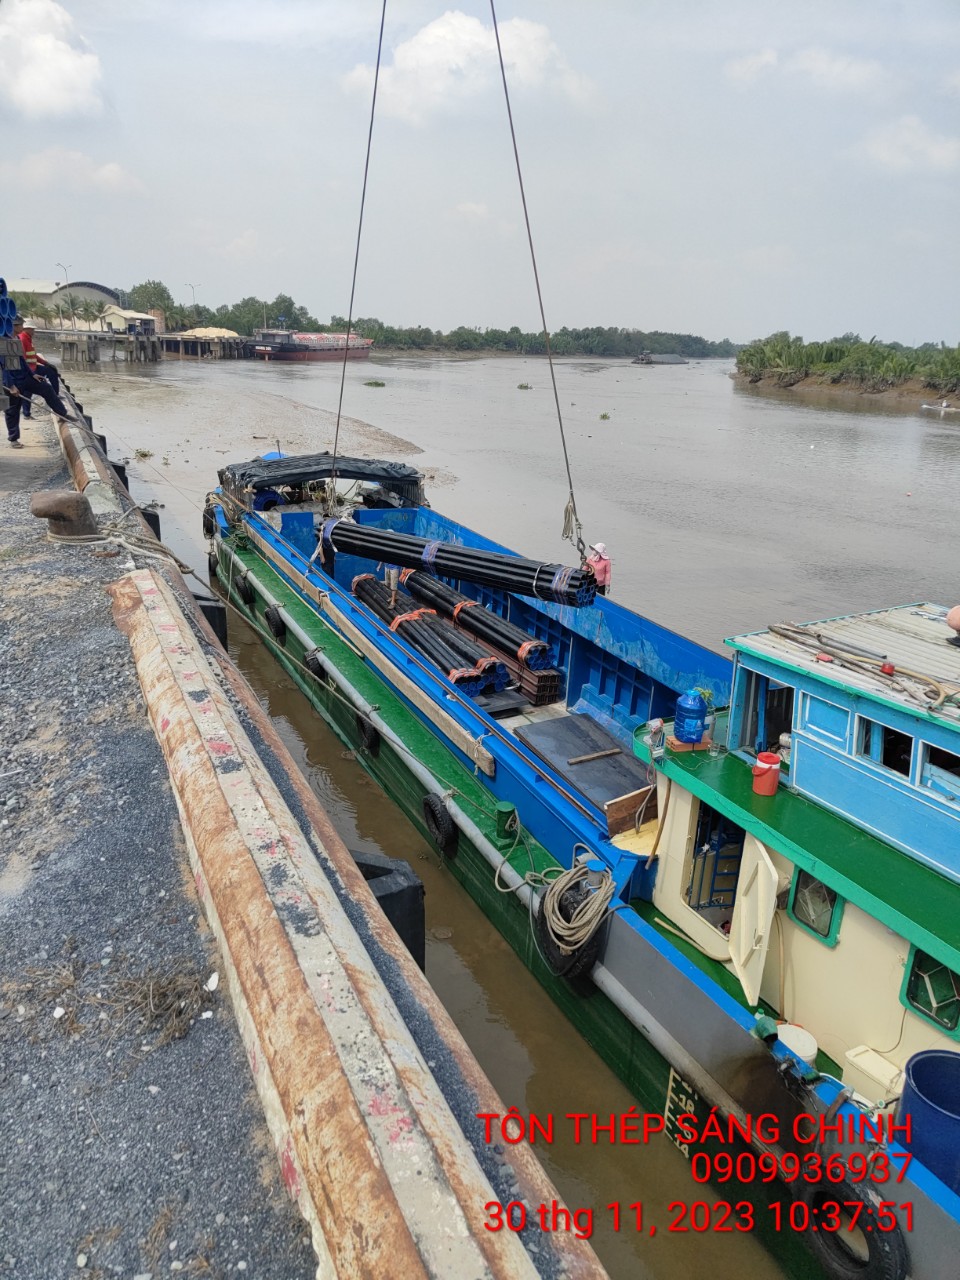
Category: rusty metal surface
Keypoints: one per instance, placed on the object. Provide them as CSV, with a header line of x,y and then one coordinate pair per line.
x,y
367,1141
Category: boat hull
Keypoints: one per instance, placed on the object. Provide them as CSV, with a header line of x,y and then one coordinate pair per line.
x,y
311,357
677,1041
668,1080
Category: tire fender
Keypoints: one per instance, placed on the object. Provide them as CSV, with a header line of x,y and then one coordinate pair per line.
x,y
443,830
368,734
275,622
577,962
882,1255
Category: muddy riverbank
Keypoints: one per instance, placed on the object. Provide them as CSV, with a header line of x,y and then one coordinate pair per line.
x,y
819,390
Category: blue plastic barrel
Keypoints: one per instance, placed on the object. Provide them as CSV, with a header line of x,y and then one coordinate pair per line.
x,y
690,720
931,1098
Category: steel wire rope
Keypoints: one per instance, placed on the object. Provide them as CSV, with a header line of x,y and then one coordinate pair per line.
x,y
356,255
572,529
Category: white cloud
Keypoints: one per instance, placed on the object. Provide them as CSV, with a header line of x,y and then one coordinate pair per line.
x,y
744,70
57,169
454,58
243,247
908,145
476,212
836,71
828,70
45,70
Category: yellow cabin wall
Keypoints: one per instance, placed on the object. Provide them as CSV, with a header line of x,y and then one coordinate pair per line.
x,y
846,996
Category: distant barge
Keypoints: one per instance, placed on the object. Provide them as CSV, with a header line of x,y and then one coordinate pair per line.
x,y
283,344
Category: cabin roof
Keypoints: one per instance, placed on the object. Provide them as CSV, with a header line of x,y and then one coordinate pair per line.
x,y
913,637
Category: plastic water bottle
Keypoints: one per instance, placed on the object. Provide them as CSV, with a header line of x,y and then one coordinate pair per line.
x,y
691,715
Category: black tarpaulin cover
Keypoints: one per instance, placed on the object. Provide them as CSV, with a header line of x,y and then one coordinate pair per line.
x,y
268,473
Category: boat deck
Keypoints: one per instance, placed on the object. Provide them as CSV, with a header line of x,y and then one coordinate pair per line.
x,y
585,755
904,894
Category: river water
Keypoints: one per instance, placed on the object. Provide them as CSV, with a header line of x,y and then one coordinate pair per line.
x,y
723,512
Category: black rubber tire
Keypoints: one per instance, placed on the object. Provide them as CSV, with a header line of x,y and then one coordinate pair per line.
x,y
213,564
275,622
369,735
443,830
209,522
578,962
886,1250
245,591
312,663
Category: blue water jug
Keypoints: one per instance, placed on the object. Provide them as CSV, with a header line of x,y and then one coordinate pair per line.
x,y
691,717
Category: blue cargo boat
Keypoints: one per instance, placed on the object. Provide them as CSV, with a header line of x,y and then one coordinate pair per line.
x,y
737,930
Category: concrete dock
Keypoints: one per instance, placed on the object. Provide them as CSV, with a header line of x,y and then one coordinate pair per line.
x,y
215,1055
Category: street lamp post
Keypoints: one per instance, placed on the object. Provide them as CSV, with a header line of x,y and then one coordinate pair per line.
x,y
66,281
193,289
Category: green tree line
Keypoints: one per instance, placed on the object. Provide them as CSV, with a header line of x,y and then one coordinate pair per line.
x,y
255,313
871,366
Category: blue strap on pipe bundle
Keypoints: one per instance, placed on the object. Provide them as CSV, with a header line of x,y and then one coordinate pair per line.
x,y
429,556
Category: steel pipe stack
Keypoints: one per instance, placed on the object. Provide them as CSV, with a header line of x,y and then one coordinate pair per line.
x,y
563,585
415,626
479,621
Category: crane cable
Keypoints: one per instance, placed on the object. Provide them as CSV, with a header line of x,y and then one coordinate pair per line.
x,y
572,529
356,255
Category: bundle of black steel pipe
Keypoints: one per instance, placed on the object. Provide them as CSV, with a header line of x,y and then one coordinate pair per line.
x,y
479,621
491,668
555,582
413,626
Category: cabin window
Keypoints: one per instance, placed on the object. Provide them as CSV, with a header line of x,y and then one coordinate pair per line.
x,y
940,771
767,713
815,906
933,990
884,746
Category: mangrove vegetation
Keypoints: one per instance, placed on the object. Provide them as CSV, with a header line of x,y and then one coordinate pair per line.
x,y
867,366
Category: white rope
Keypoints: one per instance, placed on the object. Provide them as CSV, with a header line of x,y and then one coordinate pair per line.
x,y
570,935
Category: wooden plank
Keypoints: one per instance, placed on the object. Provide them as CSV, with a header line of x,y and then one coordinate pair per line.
x,y
596,755
622,812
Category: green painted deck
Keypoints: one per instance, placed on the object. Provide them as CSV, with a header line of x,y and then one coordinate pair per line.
x,y
902,893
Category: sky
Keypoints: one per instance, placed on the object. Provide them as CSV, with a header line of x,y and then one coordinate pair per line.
x,y
723,169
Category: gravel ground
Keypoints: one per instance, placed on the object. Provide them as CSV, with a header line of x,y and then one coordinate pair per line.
x,y
132,1142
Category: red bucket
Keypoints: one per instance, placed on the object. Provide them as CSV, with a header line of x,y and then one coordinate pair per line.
x,y
766,774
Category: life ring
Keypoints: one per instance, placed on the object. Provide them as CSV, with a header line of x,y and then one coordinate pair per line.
x,y
577,962
368,734
213,564
245,591
312,662
275,622
443,830
209,522
867,1252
